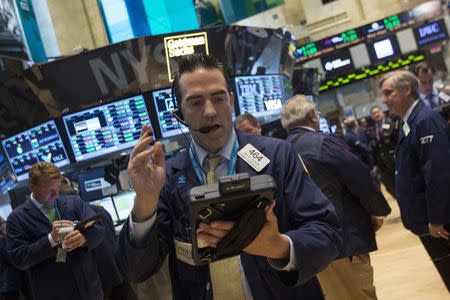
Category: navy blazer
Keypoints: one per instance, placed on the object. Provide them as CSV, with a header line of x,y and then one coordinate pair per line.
x,y
30,250
359,147
346,181
422,168
303,212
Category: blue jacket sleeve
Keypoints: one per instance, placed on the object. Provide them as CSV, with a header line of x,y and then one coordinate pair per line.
x,y
307,217
434,155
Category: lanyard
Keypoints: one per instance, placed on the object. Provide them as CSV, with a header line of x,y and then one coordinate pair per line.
x,y
198,169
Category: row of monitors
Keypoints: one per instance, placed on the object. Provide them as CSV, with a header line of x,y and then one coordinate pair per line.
x,y
116,126
377,51
118,206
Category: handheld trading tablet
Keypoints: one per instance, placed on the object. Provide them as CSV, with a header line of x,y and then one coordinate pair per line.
x,y
238,198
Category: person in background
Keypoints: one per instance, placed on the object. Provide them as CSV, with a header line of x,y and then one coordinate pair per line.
x,y
248,123
301,233
422,167
383,137
362,127
359,147
427,91
347,183
59,267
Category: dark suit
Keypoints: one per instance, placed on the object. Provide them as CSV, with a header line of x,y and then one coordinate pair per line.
x,y
303,212
422,168
30,250
362,150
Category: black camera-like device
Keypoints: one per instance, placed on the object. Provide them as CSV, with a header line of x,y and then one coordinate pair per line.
x,y
239,198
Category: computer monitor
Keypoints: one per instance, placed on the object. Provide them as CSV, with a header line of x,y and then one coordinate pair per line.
x,y
40,143
324,127
108,205
93,186
165,104
124,204
431,33
6,176
260,95
383,49
107,128
5,210
337,63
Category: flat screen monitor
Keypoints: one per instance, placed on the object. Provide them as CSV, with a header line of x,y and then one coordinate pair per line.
x,y
92,184
107,128
6,176
108,205
124,204
165,104
383,49
337,63
40,143
5,210
324,127
260,95
431,33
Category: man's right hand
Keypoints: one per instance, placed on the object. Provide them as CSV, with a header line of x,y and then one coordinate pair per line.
x,y
55,230
147,173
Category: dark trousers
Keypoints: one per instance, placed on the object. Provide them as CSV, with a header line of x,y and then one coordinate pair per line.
x,y
439,251
388,179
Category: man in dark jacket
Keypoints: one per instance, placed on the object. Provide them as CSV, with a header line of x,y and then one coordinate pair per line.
x,y
301,233
422,167
59,267
347,183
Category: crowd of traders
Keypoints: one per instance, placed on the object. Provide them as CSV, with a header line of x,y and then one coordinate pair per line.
x,y
318,230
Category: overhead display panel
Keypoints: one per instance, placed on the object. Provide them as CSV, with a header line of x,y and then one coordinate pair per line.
x,y
40,143
383,49
337,63
431,33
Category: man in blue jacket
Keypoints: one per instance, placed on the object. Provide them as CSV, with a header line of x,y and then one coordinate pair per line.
x,y
300,236
346,181
422,167
35,245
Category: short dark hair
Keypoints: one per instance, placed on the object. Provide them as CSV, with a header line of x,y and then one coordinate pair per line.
x,y
250,118
190,63
373,107
422,65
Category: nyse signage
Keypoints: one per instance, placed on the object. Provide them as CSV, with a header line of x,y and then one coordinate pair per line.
x,y
431,33
182,45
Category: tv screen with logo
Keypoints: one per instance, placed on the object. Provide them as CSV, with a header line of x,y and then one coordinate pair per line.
x,y
337,63
431,33
383,49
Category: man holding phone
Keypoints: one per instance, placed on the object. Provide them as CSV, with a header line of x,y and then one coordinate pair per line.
x,y
301,233
42,240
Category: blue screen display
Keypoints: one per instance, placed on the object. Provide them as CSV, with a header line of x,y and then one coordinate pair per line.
x,y
260,95
107,128
40,143
6,176
165,104
431,33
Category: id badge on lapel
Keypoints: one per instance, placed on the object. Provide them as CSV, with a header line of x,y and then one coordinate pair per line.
x,y
61,255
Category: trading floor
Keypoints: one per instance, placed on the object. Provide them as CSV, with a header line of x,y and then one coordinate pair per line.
x,y
403,269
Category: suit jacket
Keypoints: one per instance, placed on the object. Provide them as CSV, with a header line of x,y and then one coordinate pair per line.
x,y
422,168
30,250
346,181
303,212
362,150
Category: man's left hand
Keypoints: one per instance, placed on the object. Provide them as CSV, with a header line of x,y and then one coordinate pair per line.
x,y
438,231
74,240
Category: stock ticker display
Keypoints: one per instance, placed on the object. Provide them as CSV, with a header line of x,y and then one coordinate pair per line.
x,y
261,95
40,143
165,104
106,129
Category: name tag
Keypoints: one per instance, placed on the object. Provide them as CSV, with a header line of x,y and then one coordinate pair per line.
x,y
184,252
426,139
386,126
253,157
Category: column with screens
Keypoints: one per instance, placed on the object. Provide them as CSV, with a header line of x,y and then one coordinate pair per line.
x,y
260,95
40,143
107,128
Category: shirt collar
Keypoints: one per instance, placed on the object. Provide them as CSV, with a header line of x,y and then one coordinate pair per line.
x,y
225,151
35,202
409,111
434,93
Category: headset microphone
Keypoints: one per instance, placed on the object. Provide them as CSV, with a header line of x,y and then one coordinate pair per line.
x,y
179,116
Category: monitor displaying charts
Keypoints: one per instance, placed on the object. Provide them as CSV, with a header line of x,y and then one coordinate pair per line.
x,y
124,204
260,95
40,143
165,104
107,128
6,176
5,210
324,127
108,205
